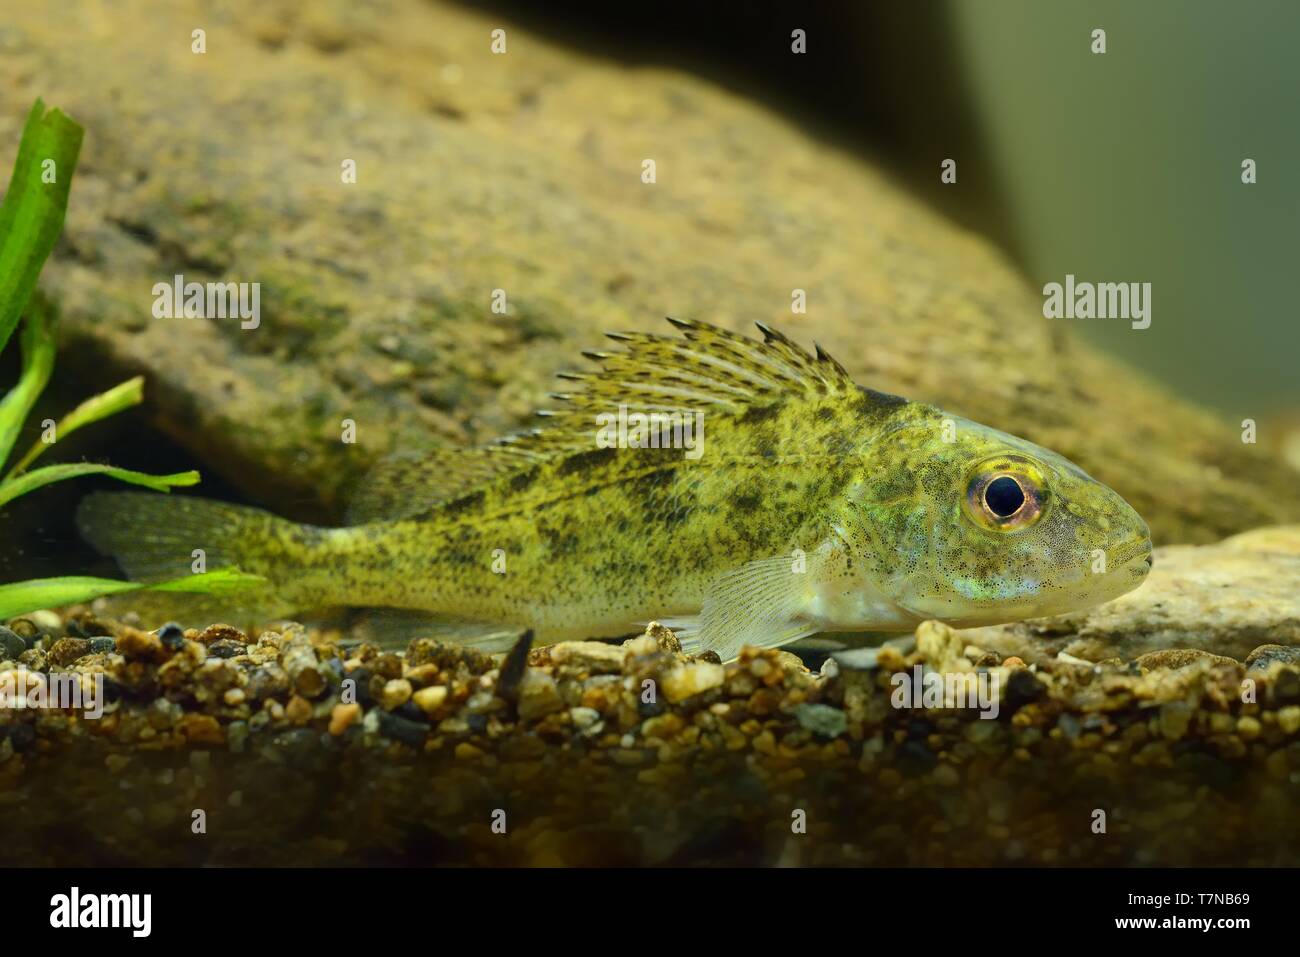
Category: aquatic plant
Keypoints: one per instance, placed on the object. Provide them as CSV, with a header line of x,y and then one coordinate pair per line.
x,y
31,218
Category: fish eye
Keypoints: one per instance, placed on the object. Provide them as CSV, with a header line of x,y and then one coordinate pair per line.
x,y
1005,495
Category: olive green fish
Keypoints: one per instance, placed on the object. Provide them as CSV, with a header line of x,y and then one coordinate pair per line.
x,y
743,492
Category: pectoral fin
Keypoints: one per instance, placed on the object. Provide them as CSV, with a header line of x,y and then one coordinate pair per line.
x,y
762,603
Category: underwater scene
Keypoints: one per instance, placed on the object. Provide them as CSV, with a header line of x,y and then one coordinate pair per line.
x,y
581,435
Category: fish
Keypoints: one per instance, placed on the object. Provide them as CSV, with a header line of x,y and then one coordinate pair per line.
x,y
742,491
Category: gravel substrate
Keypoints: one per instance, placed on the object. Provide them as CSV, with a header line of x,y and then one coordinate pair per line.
x,y
292,747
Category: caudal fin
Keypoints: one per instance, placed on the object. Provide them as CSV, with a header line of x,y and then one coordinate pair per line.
x,y
156,538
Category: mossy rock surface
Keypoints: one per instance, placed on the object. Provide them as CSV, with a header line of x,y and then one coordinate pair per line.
x,y
520,172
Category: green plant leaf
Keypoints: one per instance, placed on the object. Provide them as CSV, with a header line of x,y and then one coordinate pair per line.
x,y
20,598
116,399
38,362
31,216
11,488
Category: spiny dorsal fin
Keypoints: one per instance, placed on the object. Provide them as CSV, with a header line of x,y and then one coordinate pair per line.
x,y
706,368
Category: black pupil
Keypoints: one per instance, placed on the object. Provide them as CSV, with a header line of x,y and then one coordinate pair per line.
x,y
1004,497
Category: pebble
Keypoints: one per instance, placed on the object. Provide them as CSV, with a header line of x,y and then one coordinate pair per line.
x,y
1249,727
1174,719
103,645
221,632
430,699
223,648
402,729
539,696
945,775
467,752
593,656
1022,688
137,645
236,735
691,679
342,717
583,717
67,650
298,710
822,719
664,638
643,645
1288,719
46,621
1265,655
172,636
396,693
11,645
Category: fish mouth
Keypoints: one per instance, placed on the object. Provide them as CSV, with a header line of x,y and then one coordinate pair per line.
x,y
1140,550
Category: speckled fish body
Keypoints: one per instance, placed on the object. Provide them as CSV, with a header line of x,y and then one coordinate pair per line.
x,y
805,503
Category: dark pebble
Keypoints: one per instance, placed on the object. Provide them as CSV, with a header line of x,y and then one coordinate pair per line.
x,y
172,636
477,723
26,630
21,736
388,666
301,749
103,645
1069,725
918,729
1022,688
710,656
361,678
11,645
915,757
412,711
513,668
1286,686
407,731
226,648
651,709
112,690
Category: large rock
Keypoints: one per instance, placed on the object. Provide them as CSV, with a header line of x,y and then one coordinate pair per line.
x,y
519,172
1227,599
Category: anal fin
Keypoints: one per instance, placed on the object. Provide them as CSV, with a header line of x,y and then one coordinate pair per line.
x,y
394,628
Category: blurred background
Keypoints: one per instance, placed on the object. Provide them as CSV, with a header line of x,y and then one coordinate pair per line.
x,y
1123,166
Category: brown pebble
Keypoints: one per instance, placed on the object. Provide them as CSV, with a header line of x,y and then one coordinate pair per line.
x,y
343,716
298,711
222,633
202,729
136,645
67,650
664,637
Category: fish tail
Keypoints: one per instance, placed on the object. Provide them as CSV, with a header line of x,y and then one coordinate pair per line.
x,y
156,538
